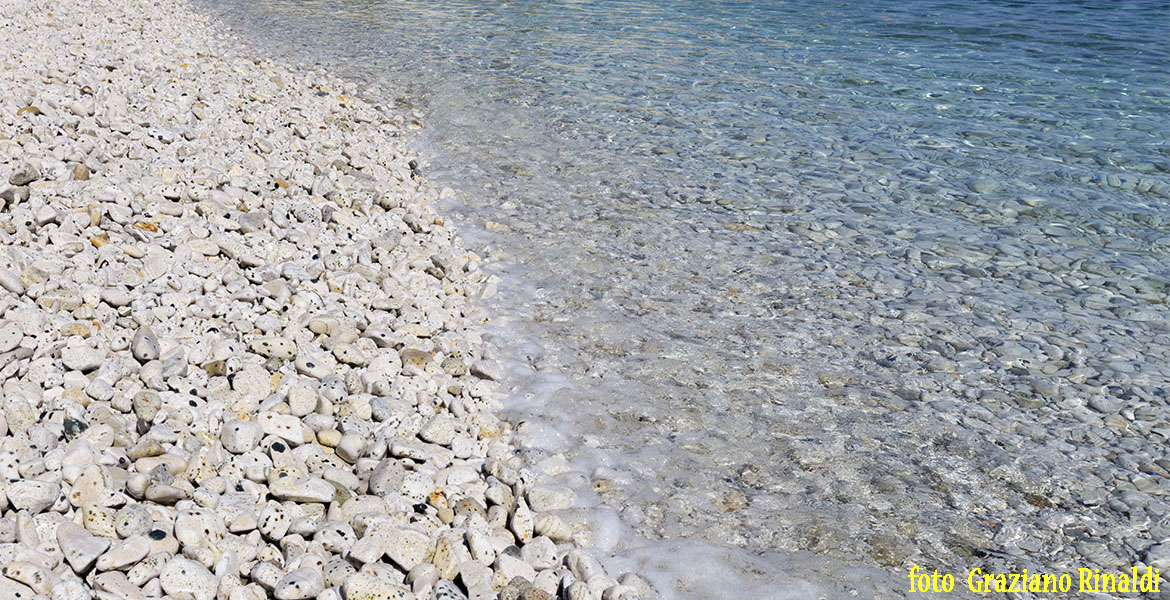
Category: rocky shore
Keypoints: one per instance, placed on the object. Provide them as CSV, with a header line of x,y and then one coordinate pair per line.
x,y
239,350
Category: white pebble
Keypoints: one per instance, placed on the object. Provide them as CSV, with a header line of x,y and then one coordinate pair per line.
x,y
184,576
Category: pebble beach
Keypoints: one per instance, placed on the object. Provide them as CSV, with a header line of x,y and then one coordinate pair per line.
x,y
605,300
239,346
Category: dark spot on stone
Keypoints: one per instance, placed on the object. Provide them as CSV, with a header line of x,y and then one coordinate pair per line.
x,y
420,508
279,447
158,535
192,403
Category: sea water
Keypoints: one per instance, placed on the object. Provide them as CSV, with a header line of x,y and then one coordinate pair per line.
x,y
807,292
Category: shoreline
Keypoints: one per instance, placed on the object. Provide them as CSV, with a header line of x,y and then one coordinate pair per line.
x,y
242,360
313,207
838,525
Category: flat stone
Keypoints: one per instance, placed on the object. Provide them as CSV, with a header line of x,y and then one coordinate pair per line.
x,y
82,358
239,437
254,383
540,552
99,520
274,347
336,536
10,337
407,547
311,366
11,282
144,346
521,522
309,489
369,548
300,584
114,584
440,429
368,586
552,527
447,590
273,521
302,399
487,369
544,498
350,354
124,553
184,576
40,579
32,495
81,550
116,297
510,567
336,572
199,526
350,447
286,427
24,174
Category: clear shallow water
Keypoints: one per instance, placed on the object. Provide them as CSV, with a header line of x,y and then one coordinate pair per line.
x,y
882,284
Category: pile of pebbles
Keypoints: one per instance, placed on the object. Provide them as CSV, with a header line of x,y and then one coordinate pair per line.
x,y
237,345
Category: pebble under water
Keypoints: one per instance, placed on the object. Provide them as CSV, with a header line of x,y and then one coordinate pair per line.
x,y
883,285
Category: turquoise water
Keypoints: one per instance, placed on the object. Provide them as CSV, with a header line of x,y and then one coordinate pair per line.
x,y
880,282
708,101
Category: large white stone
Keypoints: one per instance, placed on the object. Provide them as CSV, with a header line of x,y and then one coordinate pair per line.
x,y
184,576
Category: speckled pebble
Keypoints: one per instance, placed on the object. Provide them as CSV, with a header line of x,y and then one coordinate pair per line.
x,y
368,586
184,576
300,584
